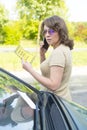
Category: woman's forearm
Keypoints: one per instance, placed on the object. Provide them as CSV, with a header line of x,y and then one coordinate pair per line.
x,y
46,82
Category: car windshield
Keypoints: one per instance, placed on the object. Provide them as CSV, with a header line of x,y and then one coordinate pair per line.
x,y
16,105
78,112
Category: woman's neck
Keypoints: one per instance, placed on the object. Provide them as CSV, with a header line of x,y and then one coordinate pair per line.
x,y
56,45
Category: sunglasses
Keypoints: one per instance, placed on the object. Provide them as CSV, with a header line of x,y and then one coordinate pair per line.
x,y
49,31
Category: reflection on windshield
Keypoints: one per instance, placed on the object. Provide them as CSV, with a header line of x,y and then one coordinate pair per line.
x,y
5,115
12,115
22,112
14,111
6,81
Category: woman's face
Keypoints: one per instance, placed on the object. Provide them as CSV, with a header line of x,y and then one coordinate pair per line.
x,y
52,37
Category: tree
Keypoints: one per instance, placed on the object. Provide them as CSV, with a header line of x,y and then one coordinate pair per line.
x,y
39,9
3,15
12,32
3,21
36,10
80,32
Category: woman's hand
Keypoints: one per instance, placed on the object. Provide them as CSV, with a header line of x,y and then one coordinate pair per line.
x,y
26,65
42,49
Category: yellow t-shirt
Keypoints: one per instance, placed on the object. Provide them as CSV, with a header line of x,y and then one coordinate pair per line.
x,y
60,56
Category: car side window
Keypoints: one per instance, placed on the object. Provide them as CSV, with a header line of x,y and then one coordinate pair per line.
x,y
56,118
51,114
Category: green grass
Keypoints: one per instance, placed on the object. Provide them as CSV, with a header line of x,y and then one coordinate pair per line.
x,y
79,54
24,43
79,58
11,62
80,45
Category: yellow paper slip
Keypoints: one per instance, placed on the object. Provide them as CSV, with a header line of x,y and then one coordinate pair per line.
x,y
23,54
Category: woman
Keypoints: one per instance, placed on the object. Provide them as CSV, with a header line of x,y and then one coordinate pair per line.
x,y
56,69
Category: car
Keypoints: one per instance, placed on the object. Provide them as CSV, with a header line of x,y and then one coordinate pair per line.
x,y
50,112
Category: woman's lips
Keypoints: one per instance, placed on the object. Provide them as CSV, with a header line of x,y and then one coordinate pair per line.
x,y
48,40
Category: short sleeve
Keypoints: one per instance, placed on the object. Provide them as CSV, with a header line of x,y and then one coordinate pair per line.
x,y
57,58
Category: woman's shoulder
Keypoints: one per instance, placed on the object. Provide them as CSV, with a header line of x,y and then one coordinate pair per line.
x,y
61,48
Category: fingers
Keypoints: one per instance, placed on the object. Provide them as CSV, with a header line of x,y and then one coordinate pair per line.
x,y
41,44
23,61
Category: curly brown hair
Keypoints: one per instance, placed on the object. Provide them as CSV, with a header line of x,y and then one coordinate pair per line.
x,y
57,23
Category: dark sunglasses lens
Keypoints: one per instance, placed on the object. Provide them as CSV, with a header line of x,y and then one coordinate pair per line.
x,y
51,31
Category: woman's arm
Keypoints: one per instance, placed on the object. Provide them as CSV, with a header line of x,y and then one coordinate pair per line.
x,y
53,82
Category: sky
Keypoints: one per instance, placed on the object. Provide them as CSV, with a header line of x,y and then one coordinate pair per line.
x,y
77,9
10,6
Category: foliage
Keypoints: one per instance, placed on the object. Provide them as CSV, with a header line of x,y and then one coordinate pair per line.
x,y
12,33
32,12
39,9
3,21
3,15
31,29
77,31
80,33
71,29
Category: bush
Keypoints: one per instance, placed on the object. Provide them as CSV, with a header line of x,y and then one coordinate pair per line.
x,y
81,32
31,29
12,34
